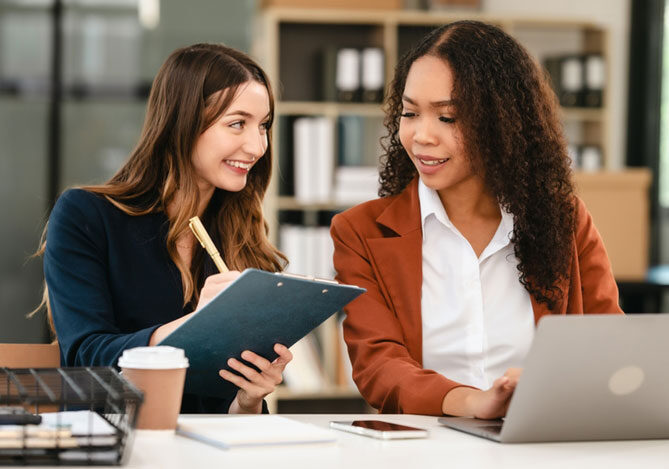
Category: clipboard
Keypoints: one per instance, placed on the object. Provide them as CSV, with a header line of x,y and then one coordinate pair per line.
x,y
253,313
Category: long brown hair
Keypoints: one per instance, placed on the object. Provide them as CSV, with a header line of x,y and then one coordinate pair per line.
x,y
184,102
508,116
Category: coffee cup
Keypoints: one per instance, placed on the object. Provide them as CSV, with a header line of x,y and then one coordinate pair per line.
x,y
159,372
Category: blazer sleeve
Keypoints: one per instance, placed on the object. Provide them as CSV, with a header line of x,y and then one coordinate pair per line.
x,y
76,273
388,377
600,291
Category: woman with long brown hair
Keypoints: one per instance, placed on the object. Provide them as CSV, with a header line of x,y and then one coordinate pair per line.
x,y
476,236
121,265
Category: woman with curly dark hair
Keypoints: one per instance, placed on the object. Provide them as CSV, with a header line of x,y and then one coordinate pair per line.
x,y
476,236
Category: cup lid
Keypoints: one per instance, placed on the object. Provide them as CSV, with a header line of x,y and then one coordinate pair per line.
x,y
160,357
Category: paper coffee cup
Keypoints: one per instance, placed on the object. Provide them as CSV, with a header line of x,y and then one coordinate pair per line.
x,y
159,372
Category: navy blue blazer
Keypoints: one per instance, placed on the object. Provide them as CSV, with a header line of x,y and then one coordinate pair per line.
x,y
112,283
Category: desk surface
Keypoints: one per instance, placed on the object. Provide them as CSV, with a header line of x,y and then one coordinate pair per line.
x,y
444,447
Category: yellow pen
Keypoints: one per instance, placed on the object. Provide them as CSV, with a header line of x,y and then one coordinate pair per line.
x,y
202,236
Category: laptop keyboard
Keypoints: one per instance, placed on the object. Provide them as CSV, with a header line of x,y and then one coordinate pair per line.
x,y
492,428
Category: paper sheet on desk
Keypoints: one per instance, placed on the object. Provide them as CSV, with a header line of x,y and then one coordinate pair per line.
x,y
89,428
233,432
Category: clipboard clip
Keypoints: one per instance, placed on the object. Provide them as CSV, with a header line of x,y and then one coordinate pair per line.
x,y
307,277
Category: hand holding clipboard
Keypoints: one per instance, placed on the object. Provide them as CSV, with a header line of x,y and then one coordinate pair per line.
x,y
257,310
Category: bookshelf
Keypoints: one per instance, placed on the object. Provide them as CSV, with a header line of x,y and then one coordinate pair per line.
x,y
290,43
290,40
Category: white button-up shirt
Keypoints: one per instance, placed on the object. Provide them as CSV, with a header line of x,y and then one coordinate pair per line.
x,y
477,317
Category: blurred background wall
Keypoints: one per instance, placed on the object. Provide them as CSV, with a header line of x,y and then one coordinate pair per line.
x,y
111,50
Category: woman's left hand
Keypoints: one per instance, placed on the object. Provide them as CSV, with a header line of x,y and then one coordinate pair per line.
x,y
254,385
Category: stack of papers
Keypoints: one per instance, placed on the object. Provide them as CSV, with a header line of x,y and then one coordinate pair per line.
x,y
35,436
259,430
60,430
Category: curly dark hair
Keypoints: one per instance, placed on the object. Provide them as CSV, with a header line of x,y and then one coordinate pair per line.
x,y
508,117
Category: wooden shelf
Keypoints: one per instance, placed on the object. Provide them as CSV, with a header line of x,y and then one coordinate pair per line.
x,y
416,17
290,203
395,31
583,114
330,392
339,399
328,108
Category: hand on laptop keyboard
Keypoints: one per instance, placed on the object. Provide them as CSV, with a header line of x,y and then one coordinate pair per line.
x,y
490,404
494,402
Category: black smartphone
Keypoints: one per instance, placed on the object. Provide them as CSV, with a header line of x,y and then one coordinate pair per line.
x,y
379,429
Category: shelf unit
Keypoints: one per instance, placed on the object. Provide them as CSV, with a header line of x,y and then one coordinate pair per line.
x,y
333,399
288,44
289,40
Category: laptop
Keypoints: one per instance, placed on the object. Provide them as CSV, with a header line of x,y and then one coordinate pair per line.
x,y
592,377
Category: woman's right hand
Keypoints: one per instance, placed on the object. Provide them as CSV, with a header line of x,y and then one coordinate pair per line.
x,y
213,285
493,403
490,404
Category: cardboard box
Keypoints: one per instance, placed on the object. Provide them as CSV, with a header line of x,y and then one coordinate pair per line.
x,y
619,205
351,4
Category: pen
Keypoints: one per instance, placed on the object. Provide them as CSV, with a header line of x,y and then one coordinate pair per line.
x,y
203,237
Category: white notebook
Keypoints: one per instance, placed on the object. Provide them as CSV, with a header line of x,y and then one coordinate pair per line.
x,y
259,430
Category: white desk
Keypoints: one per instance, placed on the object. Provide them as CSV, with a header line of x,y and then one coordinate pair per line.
x,y
444,448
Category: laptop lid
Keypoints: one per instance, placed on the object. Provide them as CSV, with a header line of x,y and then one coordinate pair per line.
x,y
592,377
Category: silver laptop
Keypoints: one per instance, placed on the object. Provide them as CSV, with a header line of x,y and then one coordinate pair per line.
x,y
587,378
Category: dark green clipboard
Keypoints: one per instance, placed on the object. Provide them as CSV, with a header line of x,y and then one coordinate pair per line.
x,y
253,313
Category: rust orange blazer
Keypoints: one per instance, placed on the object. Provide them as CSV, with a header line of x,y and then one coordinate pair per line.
x,y
378,247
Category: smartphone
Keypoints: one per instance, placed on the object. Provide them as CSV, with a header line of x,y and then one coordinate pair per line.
x,y
379,429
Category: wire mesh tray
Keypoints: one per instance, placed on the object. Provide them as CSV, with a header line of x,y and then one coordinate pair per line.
x,y
87,416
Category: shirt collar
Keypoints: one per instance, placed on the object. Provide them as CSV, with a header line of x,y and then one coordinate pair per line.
x,y
430,205
503,234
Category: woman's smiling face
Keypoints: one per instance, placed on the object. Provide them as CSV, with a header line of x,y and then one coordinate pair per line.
x,y
226,151
428,129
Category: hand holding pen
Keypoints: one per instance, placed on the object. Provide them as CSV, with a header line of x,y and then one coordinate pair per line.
x,y
254,384
214,283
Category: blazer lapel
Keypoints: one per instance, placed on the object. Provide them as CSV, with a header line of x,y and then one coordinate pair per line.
x,y
399,262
